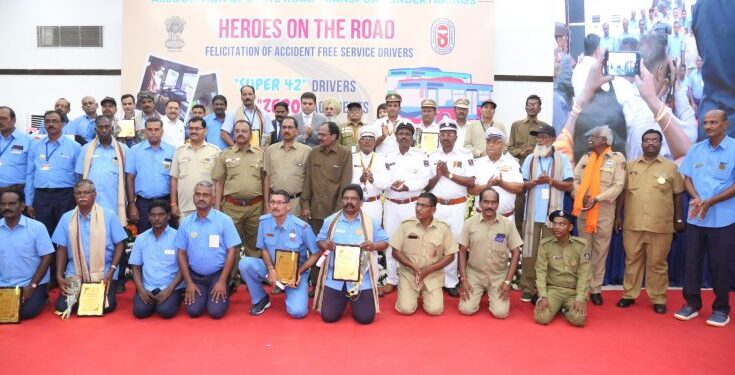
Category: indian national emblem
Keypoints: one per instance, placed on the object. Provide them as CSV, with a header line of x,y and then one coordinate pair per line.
x,y
175,26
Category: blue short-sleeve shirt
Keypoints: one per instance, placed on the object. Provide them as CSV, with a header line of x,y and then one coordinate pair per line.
x,y
206,240
151,167
20,256
158,258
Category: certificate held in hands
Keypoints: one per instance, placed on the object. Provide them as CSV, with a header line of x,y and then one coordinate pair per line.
x,y
91,299
429,142
347,263
287,264
127,128
10,305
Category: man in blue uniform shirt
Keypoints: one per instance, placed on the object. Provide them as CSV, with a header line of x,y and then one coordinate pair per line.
x,y
207,242
147,168
709,177
14,147
90,245
25,263
279,231
50,176
84,125
349,226
155,267
216,120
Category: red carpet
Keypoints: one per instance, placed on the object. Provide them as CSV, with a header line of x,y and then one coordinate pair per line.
x,y
634,341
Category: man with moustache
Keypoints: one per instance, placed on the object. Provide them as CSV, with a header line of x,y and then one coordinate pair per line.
x,y
483,258
147,169
216,123
653,198
89,242
280,110
27,254
349,226
173,128
387,142
146,99
285,164
461,110
14,148
547,175
428,122
63,107
599,178
368,171
408,173
278,231
259,120
475,137
452,167
423,246
84,125
127,101
50,176
349,131
207,242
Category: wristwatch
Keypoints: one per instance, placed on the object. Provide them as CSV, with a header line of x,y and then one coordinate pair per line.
x,y
34,285
451,176
506,282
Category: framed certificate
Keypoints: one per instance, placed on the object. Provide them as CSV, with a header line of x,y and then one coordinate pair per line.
x,y
127,128
287,266
347,263
10,304
429,142
91,299
255,138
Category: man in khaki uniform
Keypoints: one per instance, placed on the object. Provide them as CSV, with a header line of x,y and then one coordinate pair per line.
x,y
653,198
474,139
285,164
562,273
488,238
599,177
423,246
192,162
240,190
348,132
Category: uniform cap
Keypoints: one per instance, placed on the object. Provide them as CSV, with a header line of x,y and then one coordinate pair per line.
x,y
561,213
494,133
429,103
462,103
447,126
405,125
393,97
544,129
367,131
109,99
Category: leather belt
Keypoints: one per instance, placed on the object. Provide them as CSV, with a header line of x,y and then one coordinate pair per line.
x,y
290,196
163,197
244,203
372,199
403,201
53,190
451,202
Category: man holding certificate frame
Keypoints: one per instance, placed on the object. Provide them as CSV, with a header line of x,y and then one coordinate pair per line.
x,y
90,245
348,241
286,241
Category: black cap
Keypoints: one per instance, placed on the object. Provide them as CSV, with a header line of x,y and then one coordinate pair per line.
x,y
544,129
405,125
354,105
565,214
108,99
489,101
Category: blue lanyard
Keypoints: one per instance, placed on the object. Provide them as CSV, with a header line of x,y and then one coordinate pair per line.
x,y
12,138
48,156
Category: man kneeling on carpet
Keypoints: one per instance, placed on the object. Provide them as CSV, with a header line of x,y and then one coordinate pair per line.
x,y
423,246
285,238
155,266
90,245
562,273
341,236
207,241
488,238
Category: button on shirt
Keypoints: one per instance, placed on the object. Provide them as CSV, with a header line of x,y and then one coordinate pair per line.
x,y
712,171
294,235
14,158
191,166
151,167
649,195
158,257
412,168
214,125
460,162
348,233
423,247
286,166
544,164
206,240
563,265
103,171
19,261
327,170
51,165
174,132
376,164
114,233
489,244
240,170
508,169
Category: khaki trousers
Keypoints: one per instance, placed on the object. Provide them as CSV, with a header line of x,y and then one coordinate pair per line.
x,y
246,219
499,308
599,245
558,298
408,298
649,251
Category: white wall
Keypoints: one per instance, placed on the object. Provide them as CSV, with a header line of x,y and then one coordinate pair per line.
x,y
524,46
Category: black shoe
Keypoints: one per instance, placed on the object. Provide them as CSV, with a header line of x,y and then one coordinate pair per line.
x,y
311,292
120,287
659,308
625,302
231,289
596,299
259,307
534,299
452,292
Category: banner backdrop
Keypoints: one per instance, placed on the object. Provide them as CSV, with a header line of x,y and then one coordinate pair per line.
x,y
352,50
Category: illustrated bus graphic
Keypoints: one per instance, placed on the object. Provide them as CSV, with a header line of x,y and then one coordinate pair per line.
x,y
415,84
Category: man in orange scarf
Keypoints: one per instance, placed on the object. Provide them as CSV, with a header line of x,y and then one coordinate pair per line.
x,y
599,178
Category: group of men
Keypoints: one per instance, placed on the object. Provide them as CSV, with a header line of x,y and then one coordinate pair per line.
x,y
319,190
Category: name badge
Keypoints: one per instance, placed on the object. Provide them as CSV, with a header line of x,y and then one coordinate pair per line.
x,y
500,237
214,240
16,149
169,252
545,194
45,167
